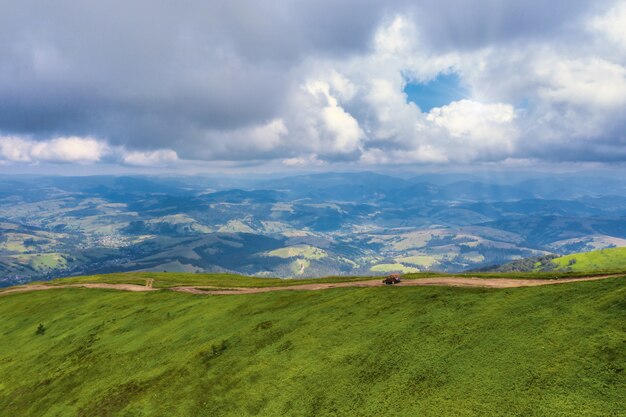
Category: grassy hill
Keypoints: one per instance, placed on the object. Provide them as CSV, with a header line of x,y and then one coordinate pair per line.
x,y
605,260
612,259
401,351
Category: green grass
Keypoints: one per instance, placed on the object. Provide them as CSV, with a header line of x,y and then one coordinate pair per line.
x,y
605,259
412,351
41,261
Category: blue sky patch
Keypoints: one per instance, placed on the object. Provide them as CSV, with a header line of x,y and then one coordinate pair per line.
x,y
443,90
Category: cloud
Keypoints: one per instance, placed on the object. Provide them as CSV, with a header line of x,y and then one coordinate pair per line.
x,y
308,160
15,149
612,24
589,82
144,73
310,82
159,157
58,150
337,130
258,141
479,129
461,25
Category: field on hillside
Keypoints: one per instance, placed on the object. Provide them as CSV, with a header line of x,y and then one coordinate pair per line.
x,y
428,351
605,259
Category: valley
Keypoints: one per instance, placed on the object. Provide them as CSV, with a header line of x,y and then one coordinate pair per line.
x,y
303,226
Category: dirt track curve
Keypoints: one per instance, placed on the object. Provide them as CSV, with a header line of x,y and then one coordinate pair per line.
x,y
436,281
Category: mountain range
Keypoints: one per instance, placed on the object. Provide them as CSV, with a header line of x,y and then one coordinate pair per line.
x,y
338,223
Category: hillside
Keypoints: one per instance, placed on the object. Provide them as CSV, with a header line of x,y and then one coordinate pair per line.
x,y
404,351
611,259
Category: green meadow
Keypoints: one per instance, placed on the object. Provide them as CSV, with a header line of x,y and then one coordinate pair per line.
x,y
557,350
611,259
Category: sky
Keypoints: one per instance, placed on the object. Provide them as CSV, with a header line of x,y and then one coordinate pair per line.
x,y
288,85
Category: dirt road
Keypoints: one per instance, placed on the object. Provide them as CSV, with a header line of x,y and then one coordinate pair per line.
x,y
121,287
436,281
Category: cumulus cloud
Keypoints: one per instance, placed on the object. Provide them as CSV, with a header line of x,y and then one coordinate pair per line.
x,y
311,82
589,82
337,130
482,129
61,150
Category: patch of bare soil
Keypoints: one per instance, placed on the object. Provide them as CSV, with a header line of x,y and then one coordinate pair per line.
x,y
437,281
121,287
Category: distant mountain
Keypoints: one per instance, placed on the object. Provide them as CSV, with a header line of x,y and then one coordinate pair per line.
x,y
576,187
352,222
343,186
479,191
242,196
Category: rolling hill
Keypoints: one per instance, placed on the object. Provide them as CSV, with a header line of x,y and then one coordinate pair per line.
x,y
404,351
609,260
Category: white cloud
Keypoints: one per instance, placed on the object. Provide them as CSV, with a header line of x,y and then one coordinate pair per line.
x,y
307,160
590,82
343,127
269,135
158,157
469,119
395,37
71,149
612,24
320,123
15,149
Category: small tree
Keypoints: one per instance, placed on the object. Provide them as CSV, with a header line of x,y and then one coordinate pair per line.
x,y
41,329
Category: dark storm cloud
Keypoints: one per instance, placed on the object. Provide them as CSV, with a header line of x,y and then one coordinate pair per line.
x,y
145,71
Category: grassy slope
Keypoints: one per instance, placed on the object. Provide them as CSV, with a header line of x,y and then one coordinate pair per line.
x,y
596,262
605,259
173,279
556,350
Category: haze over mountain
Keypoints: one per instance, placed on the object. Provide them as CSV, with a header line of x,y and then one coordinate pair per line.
x,y
300,226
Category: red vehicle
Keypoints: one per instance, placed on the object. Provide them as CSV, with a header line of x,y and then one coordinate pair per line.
x,y
392,279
